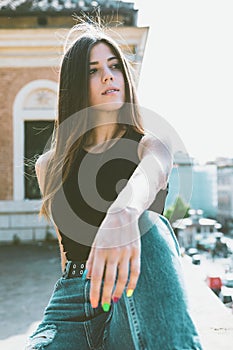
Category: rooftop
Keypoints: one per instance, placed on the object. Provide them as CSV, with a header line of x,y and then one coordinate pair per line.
x,y
183,223
37,6
61,13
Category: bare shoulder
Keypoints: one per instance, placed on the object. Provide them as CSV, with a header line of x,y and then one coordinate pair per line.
x,y
40,167
43,160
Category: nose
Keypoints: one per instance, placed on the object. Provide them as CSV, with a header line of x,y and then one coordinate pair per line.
x,y
107,75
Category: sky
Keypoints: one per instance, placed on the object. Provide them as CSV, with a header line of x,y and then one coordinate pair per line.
x,y
187,71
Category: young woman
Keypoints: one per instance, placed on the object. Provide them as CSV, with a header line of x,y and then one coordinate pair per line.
x,y
122,285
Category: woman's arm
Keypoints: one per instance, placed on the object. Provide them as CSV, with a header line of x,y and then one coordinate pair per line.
x,y
40,167
117,248
150,176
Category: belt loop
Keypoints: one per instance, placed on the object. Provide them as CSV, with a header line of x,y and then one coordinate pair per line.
x,y
66,270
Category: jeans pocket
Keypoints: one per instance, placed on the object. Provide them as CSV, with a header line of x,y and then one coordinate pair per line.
x,y
97,326
96,312
57,285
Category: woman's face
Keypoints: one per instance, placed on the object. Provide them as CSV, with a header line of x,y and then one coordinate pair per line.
x,y
107,86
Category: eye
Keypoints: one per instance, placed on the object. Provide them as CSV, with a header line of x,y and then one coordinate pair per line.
x,y
92,71
116,66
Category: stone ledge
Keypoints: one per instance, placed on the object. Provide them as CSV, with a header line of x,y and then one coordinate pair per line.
x,y
26,234
24,206
20,219
213,319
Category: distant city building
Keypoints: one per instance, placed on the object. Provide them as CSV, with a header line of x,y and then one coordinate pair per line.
x,y
225,192
32,35
204,194
181,179
195,228
207,187
195,184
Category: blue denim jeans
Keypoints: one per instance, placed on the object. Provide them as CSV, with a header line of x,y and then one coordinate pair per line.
x,y
156,317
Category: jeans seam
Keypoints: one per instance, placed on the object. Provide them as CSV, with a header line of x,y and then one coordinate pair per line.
x,y
87,324
139,344
87,313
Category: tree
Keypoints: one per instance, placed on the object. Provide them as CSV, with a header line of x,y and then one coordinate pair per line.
x,y
178,210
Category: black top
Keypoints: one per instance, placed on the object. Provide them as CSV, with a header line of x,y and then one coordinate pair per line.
x,y
92,185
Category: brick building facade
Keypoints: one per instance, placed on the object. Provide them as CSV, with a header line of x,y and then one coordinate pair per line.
x,y
30,53
13,80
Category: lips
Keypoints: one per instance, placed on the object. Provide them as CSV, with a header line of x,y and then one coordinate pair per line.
x,y
110,90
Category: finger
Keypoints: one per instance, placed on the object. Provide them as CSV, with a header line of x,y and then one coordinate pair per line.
x,y
109,282
89,263
96,278
123,273
134,275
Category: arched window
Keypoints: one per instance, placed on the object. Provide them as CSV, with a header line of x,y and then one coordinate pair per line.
x,y
33,112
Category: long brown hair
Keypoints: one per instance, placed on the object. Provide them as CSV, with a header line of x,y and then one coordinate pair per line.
x,y
72,124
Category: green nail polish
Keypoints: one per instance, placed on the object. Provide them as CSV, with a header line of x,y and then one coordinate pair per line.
x,y
106,307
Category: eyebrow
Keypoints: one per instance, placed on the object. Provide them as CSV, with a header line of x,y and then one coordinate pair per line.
x,y
109,59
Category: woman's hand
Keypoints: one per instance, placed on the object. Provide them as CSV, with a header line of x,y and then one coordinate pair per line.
x,y
114,257
116,249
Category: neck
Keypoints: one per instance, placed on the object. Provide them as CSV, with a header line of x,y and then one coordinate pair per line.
x,y
104,125
99,117
103,133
